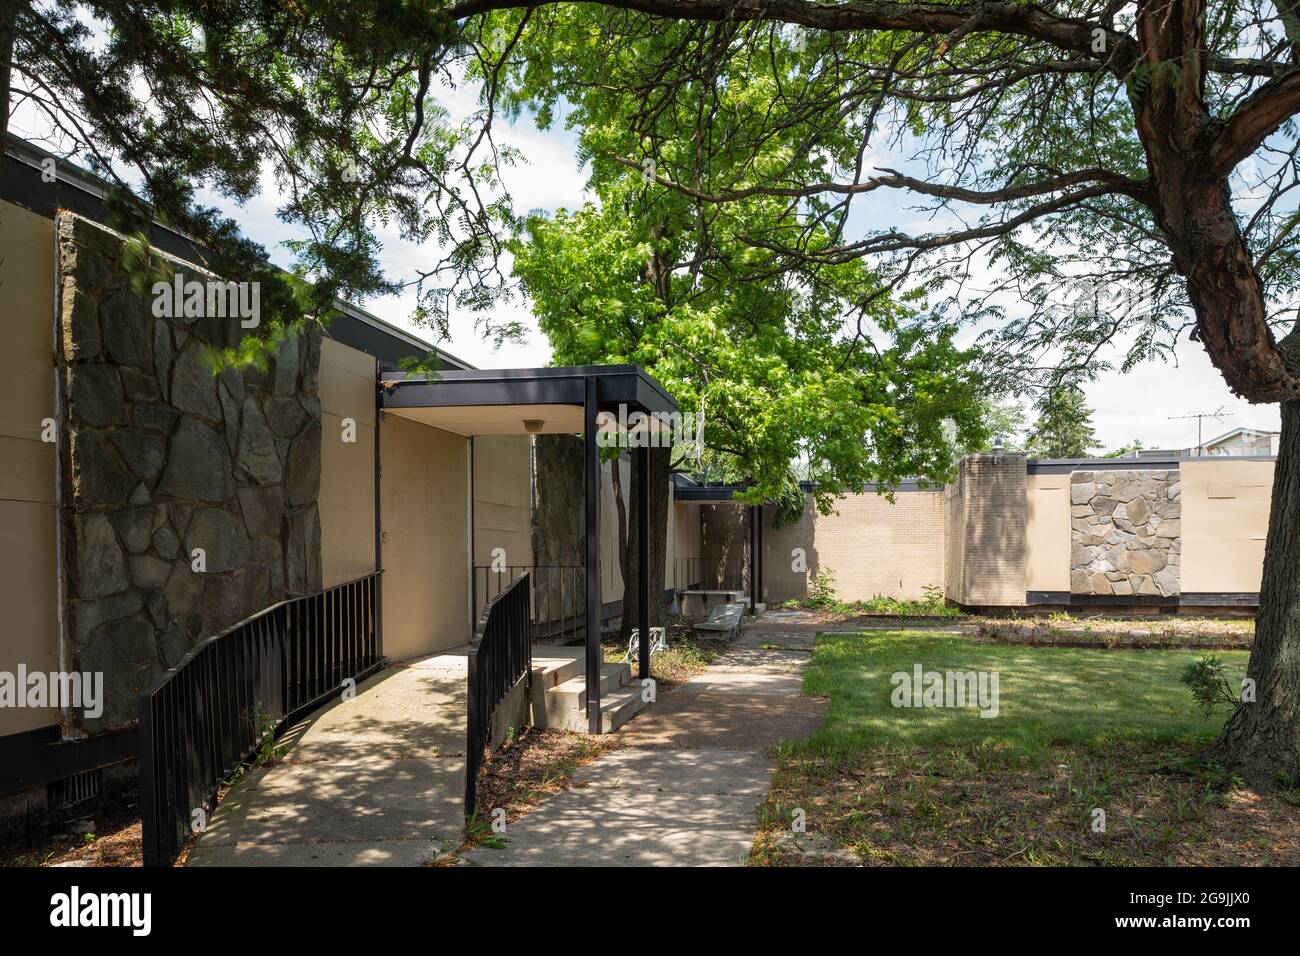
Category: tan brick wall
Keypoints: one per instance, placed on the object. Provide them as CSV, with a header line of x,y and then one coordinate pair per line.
x,y
985,514
872,546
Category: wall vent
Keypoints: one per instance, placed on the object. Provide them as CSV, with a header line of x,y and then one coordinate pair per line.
x,y
73,790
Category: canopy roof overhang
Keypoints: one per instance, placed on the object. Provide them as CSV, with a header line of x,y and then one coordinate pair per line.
x,y
554,400
501,401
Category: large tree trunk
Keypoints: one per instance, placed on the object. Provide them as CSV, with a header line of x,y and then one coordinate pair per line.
x,y
1262,738
660,463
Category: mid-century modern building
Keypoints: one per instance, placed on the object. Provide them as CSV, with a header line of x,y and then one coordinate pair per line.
x,y
342,512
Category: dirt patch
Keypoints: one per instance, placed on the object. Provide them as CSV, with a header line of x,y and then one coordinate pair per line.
x,y
986,806
1066,631
104,831
687,656
521,774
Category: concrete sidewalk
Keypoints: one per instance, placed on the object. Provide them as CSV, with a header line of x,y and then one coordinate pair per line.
x,y
375,781
684,789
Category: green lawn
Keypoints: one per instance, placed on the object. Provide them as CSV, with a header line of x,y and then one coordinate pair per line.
x,y
1079,732
1047,695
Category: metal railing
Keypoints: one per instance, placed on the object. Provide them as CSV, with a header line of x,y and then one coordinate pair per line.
x,y
207,716
502,654
558,597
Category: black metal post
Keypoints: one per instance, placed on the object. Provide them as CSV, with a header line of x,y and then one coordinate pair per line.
x,y
758,513
591,491
753,562
379,527
643,554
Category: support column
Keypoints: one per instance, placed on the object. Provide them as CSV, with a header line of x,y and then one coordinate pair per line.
x,y
758,514
643,555
591,493
379,515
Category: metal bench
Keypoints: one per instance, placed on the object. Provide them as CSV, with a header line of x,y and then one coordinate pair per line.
x,y
723,619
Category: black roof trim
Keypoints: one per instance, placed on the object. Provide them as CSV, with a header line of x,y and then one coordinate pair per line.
x,y
82,192
616,385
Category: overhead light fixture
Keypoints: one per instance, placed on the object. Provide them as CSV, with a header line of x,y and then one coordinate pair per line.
x,y
533,425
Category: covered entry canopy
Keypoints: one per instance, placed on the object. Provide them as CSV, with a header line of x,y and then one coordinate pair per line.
x,y
565,400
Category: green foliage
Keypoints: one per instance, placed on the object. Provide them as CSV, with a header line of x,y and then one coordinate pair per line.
x,y
264,726
1064,426
821,590
1210,688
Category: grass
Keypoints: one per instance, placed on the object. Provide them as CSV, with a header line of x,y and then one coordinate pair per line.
x,y
1080,730
685,657
878,606
1047,694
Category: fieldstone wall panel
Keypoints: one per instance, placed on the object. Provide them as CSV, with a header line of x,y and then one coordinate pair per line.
x,y
1125,533
159,456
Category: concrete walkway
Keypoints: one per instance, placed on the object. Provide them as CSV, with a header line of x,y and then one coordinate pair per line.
x,y
693,770
375,781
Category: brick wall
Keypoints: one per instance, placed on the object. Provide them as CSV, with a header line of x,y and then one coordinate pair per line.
x,y
985,514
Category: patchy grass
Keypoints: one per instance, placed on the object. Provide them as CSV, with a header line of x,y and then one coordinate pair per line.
x,y
1079,730
879,606
1162,631
686,657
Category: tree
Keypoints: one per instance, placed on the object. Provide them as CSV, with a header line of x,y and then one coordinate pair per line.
x,y
1086,150
332,100
1064,425
765,361
1126,451
1004,420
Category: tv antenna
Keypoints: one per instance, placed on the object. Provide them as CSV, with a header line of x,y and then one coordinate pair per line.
x,y
1200,417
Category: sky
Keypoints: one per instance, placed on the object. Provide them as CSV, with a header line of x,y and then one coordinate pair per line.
x,y
1146,404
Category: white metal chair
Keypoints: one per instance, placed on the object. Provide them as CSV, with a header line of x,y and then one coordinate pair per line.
x,y
658,642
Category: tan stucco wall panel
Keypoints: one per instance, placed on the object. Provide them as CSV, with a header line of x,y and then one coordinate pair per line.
x,y
1224,524
425,501
347,484
1047,533
28,568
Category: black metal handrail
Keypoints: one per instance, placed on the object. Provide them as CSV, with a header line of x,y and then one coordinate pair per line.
x,y
558,598
206,717
501,656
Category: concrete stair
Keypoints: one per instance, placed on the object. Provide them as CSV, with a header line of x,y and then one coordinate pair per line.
x,y
559,695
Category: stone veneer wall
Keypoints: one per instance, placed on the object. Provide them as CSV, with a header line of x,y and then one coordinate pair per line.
x,y
159,457
1125,532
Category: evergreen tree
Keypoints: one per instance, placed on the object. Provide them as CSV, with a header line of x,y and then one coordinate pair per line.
x,y
1064,427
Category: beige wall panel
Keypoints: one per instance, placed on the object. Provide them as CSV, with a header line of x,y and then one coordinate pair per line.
x,y
425,500
1047,533
27,314
872,546
28,471
347,480
502,513
347,382
685,537
1224,523
28,569
347,502
27,582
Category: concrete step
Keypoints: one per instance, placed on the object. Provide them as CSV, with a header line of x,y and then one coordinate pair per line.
x,y
554,671
620,707
616,709
572,694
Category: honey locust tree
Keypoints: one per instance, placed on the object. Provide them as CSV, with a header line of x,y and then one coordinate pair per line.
x,y
762,352
1143,148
